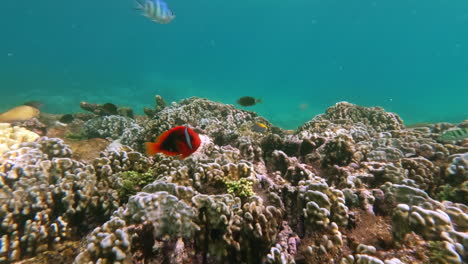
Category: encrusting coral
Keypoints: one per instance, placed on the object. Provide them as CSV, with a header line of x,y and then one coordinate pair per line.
x,y
12,137
353,185
115,127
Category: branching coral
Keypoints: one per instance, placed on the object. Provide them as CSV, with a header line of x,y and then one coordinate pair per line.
x,y
125,129
350,186
48,198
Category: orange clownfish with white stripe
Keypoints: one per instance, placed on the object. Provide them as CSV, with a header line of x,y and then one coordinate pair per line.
x,y
179,141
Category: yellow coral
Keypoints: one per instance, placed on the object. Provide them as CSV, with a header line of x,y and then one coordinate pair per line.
x,y
19,113
12,137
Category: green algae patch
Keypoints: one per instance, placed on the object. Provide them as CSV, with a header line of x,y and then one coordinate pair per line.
x,y
132,182
455,194
75,136
440,253
241,188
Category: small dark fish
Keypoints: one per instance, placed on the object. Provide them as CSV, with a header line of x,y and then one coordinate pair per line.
x,y
248,101
454,135
177,141
259,127
67,118
35,104
109,109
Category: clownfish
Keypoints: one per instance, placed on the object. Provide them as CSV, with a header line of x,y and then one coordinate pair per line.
x,y
177,141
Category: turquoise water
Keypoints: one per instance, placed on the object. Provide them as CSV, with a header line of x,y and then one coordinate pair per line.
x,y
299,56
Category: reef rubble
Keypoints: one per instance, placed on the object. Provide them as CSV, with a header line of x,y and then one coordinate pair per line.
x,y
352,185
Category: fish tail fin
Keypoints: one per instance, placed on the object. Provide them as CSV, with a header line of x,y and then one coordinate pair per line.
x,y
151,148
35,104
258,100
140,5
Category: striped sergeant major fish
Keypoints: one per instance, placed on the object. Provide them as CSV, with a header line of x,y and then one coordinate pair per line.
x,y
454,135
156,10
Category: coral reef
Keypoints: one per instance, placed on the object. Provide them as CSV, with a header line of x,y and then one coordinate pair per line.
x,y
240,188
107,109
160,104
114,127
33,124
371,117
131,182
353,185
47,198
223,123
12,137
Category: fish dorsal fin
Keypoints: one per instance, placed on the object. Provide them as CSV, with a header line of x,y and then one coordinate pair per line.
x,y
140,4
187,138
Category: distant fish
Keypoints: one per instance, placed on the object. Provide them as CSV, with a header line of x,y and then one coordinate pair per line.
x,y
109,109
156,10
454,135
177,141
67,118
303,106
248,101
259,127
19,113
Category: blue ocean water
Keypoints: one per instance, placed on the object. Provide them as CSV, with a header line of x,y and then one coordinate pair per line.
x,y
299,56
